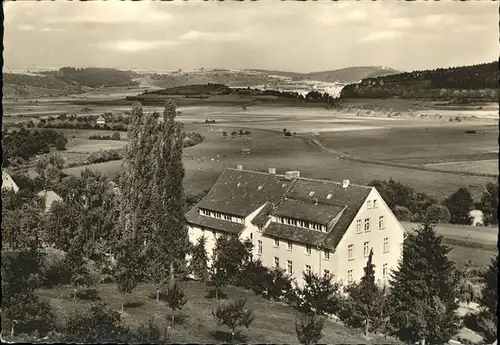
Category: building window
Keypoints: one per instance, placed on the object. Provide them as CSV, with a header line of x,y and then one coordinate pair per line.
x,y
215,234
358,226
326,272
259,229
289,266
369,204
311,194
326,254
366,249
349,277
276,242
289,245
384,270
259,247
251,236
227,217
276,261
350,252
367,224
375,203
308,250
308,269
329,196
386,244
381,222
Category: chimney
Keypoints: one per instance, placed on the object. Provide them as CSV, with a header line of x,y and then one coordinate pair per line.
x,y
272,171
345,183
316,202
239,167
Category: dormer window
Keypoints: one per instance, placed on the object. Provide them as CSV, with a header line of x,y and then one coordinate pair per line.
x,y
238,185
259,188
311,194
283,185
329,196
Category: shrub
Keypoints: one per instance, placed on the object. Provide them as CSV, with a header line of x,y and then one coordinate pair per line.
x,y
402,213
233,315
309,329
116,136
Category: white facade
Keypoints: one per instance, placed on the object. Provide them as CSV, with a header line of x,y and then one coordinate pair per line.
x,y
346,263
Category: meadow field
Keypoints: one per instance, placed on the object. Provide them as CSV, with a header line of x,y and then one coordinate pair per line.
x,y
361,128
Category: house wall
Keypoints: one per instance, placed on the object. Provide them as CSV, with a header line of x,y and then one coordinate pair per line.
x,y
297,254
392,230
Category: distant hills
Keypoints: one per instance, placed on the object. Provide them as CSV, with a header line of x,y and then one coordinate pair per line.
x,y
472,82
66,80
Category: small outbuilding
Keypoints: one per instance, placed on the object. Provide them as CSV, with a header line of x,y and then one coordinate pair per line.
x,y
101,120
245,151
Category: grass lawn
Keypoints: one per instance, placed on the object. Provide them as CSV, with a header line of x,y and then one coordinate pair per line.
x,y
274,322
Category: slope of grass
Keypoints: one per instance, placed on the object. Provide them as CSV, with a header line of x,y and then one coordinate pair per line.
x,y
274,322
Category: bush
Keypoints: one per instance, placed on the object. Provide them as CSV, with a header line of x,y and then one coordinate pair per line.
x,y
115,136
437,214
309,329
288,134
104,156
233,315
55,274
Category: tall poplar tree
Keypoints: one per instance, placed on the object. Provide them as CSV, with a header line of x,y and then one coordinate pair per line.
x,y
169,239
153,196
424,290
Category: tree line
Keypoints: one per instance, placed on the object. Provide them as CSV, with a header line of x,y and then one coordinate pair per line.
x,y
21,145
139,234
410,205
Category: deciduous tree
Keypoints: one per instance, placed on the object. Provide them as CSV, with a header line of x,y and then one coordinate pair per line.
x,y
460,204
129,266
489,203
234,314
320,294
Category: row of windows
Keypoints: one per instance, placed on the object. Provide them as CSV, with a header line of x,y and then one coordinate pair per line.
x,y
371,204
359,230
308,270
299,223
220,215
289,247
366,249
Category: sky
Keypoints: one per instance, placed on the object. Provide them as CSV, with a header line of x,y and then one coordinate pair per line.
x,y
279,35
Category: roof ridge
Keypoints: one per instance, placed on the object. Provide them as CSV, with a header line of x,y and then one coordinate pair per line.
x,y
299,178
334,182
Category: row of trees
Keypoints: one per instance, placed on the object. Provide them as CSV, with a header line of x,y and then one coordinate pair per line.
x,y
114,136
410,205
21,145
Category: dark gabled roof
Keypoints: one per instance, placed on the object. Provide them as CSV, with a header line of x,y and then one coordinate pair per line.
x,y
237,192
194,217
293,233
351,198
306,210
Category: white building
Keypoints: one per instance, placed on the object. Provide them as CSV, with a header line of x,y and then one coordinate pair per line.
x,y
49,197
8,182
301,224
101,120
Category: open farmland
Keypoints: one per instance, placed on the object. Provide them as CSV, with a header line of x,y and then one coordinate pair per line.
x,y
354,129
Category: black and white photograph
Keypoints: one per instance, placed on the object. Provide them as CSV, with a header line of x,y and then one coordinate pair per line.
x,y
250,172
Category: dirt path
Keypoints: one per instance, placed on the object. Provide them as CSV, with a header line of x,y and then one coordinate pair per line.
x,y
342,155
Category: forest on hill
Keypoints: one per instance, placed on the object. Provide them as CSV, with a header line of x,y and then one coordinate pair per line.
x,y
95,77
473,82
